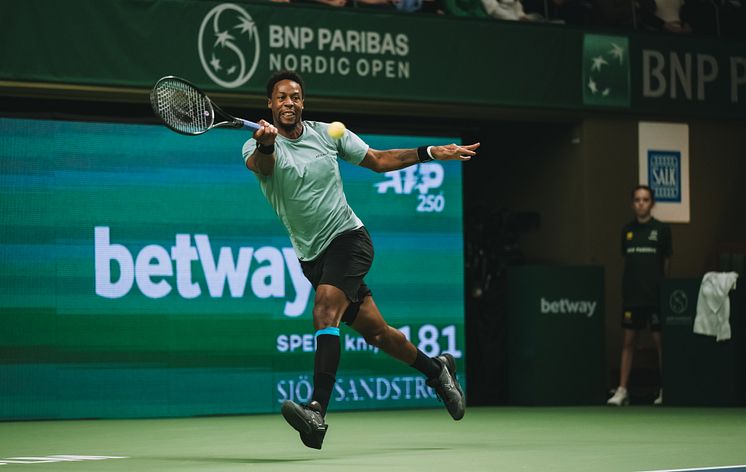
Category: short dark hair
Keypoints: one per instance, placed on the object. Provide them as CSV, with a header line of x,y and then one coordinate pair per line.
x,y
285,75
644,187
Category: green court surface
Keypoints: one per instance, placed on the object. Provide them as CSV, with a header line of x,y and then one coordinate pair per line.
x,y
487,439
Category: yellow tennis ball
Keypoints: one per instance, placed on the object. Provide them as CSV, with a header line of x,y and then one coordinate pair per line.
x,y
336,130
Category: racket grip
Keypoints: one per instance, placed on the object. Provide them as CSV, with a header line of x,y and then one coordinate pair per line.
x,y
246,124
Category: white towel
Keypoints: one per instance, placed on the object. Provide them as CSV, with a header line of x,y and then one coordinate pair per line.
x,y
713,305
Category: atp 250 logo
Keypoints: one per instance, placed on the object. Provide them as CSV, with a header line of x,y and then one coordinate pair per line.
x,y
425,179
229,45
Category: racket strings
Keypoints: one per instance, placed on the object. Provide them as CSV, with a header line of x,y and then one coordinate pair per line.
x,y
183,107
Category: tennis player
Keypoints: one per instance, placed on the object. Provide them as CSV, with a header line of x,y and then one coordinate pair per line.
x,y
296,162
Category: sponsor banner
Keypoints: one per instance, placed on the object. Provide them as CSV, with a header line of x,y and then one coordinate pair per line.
x,y
354,392
679,311
566,306
143,273
551,310
664,166
606,70
232,47
689,76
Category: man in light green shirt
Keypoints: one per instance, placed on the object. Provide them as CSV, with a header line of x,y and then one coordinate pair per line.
x,y
296,163
305,167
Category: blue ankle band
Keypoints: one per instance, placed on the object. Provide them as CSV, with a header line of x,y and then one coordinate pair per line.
x,y
331,331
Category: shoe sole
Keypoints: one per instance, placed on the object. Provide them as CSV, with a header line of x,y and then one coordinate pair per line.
x,y
451,366
625,402
293,414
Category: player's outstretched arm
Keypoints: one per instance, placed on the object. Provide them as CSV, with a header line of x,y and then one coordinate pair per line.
x,y
454,152
395,159
262,160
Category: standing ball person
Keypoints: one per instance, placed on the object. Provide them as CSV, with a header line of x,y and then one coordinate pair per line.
x,y
646,248
296,162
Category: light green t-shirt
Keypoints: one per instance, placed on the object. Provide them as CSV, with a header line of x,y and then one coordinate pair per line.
x,y
305,187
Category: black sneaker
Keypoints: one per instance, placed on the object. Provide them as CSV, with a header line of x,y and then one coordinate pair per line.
x,y
307,420
447,387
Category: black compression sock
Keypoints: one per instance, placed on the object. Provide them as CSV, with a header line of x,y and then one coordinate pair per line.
x,y
427,365
325,368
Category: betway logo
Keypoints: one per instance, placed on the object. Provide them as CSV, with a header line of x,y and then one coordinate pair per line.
x,y
154,268
564,305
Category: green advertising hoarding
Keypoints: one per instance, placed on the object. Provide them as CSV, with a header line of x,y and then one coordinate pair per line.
x,y
142,273
556,335
234,47
606,65
348,54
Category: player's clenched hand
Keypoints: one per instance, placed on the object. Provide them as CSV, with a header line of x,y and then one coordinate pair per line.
x,y
451,152
266,134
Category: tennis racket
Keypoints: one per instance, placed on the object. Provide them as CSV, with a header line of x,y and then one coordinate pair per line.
x,y
184,108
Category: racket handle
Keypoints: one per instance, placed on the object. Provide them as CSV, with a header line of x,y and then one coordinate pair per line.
x,y
246,124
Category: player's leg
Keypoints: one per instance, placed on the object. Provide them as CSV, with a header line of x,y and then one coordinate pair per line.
x,y
633,320
371,325
329,305
621,397
655,331
629,344
336,275
440,371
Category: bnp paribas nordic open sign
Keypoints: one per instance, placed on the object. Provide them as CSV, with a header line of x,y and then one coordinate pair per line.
x,y
556,335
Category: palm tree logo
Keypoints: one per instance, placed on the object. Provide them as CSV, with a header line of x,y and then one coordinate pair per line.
x,y
229,45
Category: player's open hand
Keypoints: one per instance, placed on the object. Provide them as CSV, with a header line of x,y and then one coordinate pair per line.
x,y
451,152
265,135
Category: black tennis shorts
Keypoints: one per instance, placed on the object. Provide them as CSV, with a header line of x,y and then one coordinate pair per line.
x,y
638,318
343,264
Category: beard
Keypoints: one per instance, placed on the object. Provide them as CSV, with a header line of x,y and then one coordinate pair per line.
x,y
288,127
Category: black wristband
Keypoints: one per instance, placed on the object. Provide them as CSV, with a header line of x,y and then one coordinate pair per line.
x,y
422,154
268,150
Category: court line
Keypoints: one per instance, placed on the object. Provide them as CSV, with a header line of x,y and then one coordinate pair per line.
x,y
55,458
723,467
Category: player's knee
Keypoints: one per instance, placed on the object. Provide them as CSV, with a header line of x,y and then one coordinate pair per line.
x,y
384,337
325,315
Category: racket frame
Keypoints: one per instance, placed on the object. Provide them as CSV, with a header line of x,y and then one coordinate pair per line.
x,y
212,107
